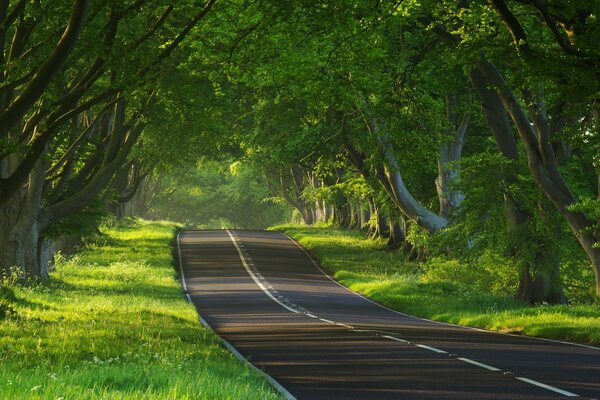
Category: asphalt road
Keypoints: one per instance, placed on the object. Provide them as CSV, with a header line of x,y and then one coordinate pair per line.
x,y
263,294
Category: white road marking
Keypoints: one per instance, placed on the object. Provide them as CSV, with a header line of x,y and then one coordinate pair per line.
x,y
229,346
482,365
255,278
181,270
431,348
551,388
314,262
395,338
246,263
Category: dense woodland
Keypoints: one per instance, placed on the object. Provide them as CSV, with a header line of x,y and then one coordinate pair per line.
x,y
460,129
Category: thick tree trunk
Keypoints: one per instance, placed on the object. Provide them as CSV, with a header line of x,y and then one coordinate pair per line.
x,y
21,246
397,237
539,275
8,247
543,165
450,153
402,196
354,216
375,227
365,217
343,216
537,283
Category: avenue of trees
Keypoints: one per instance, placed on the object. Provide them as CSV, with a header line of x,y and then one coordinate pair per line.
x,y
455,128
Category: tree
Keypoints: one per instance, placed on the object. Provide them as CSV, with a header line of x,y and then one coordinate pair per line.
x,y
69,124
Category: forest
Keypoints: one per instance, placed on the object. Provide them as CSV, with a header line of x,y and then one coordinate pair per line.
x,y
462,129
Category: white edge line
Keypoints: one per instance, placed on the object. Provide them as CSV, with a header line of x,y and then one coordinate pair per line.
x,y
254,277
326,320
552,388
482,365
228,345
431,348
425,319
183,284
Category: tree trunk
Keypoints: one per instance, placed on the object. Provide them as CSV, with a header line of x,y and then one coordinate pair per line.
x,y
401,195
397,237
539,276
8,247
450,152
537,283
543,165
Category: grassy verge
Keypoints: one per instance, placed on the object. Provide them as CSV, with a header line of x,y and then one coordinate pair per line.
x,y
364,266
113,324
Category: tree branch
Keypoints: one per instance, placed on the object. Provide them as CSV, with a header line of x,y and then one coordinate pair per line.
x,y
36,87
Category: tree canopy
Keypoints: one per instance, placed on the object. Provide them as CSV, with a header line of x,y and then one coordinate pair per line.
x,y
450,127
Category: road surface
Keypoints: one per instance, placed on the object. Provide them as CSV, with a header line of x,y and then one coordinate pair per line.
x,y
264,294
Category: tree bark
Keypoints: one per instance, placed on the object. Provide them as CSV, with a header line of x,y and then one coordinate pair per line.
x,y
450,152
399,192
49,68
537,283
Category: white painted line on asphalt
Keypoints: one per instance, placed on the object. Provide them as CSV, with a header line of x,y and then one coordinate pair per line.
x,y
311,315
344,325
326,320
551,388
488,367
431,348
314,262
395,338
255,278
229,346
183,284
271,380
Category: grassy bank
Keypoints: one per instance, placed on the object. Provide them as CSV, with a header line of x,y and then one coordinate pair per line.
x,y
441,290
113,324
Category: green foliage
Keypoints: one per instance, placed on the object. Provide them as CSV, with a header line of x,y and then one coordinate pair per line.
x,y
478,295
591,207
113,324
218,195
81,224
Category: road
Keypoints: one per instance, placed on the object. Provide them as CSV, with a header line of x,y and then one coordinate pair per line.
x,y
265,295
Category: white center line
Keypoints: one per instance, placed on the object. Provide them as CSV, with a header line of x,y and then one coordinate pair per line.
x,y
482,365
431,348
552,388
255,278
395,338
260,279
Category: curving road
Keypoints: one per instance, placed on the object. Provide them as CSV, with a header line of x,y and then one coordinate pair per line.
x,y
263,294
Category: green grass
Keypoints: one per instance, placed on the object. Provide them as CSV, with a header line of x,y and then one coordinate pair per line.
x,y
113,324
441,289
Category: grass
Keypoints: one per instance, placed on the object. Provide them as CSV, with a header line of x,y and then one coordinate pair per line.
x,y
439,290
112,324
